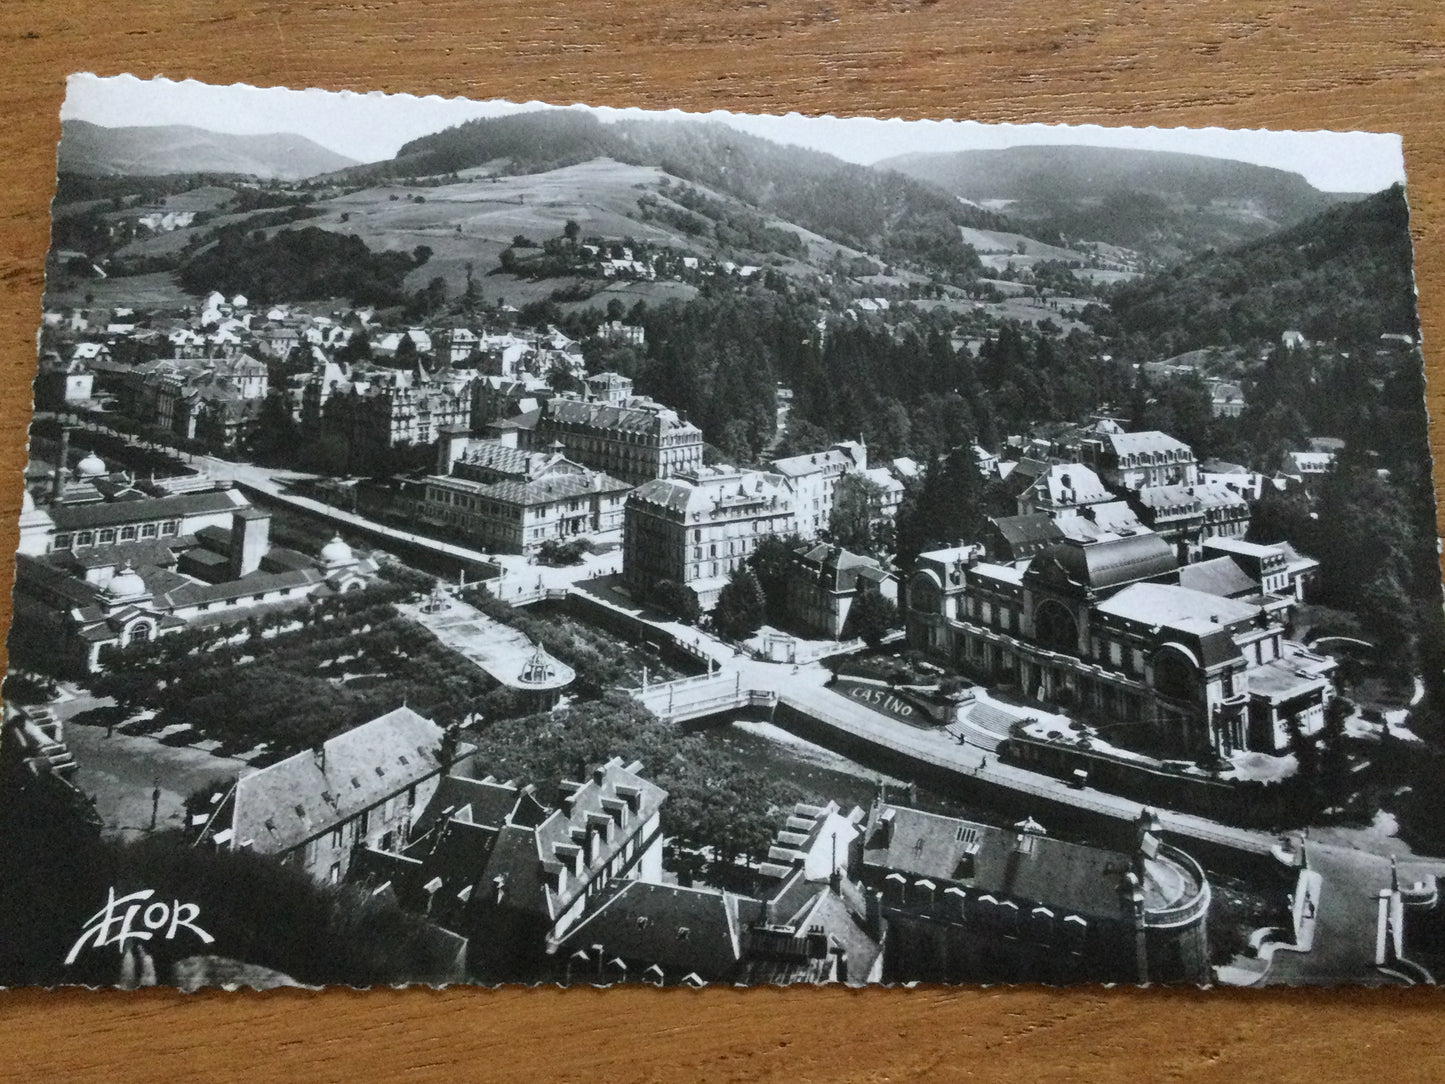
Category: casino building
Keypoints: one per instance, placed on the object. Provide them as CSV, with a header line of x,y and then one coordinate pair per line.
x,y
1105,629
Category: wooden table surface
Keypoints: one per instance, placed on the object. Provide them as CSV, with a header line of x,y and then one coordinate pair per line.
x,y
1373,64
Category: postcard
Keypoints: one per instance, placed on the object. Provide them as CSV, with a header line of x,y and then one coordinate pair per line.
x,y
480,542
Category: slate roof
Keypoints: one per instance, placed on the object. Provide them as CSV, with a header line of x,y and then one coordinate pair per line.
x,y
546,489
1220,576
281,806
1146,442
682,930
701,492
1066,877
1027,531
1069,484
1179,609
1177,499
573,413
71,517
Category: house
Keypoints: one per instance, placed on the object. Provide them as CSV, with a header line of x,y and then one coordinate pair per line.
x,y
637,441
1186,515
823,583
1132,461
805,922
511,501
360,789
1062,486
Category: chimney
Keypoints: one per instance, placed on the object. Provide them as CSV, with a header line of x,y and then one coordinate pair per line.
x,y
250,540
62,465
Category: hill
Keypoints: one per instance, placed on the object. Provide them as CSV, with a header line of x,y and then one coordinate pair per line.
x,y
93,150
1343,274
1167,203
894,217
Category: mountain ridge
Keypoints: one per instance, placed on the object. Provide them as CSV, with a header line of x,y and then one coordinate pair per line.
x,y
157,150
1169,202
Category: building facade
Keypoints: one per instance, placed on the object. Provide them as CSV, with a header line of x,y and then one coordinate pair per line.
x,y
823,583
360,789
812,478
1104,629
696,528
637,441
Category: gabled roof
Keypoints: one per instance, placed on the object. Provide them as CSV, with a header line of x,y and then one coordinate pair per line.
x,y
281,806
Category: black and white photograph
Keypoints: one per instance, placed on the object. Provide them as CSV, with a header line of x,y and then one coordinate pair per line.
x,y
493,542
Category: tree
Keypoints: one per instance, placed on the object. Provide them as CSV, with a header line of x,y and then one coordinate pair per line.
x,y
1334,761
772,562
741,607
676,601
870,618
850,523
571,230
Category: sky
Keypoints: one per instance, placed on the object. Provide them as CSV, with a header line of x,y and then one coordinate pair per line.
x,y
371,127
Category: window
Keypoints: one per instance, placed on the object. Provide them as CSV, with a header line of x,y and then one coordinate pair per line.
x,y
127,534
62,541
107,535
170,527
85,538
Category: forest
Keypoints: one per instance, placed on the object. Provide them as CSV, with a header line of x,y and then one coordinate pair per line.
x,y
299,265
1343,275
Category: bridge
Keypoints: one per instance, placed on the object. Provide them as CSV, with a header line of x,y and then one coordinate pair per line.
x,y
698,697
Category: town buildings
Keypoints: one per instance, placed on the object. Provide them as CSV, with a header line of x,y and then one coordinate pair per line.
x,y
1132,461
963,901
374,407
508,500
813,478
97,575
1105,628
495,863
314,810
695,528
636,440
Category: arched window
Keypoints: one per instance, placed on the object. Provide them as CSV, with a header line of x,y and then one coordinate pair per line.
x,y
1054,627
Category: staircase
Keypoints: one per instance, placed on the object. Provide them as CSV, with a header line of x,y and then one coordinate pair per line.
x,y
984,725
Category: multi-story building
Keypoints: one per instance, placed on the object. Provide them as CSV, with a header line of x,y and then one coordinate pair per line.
x,y
316,809
1060,488
1131,461
1106,629
512,501
696,528
637,441
812,479
963,901
823,583
490,861
1186,515
377,407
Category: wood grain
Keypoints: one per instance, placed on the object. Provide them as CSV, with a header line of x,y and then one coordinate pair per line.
x,y
1371,64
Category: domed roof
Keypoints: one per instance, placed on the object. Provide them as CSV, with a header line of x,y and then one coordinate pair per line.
x,y
125,583
92,466
336,552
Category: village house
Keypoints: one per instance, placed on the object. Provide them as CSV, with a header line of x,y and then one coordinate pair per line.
x,y
1186,515
492,862
637,441
804,922
1132,461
